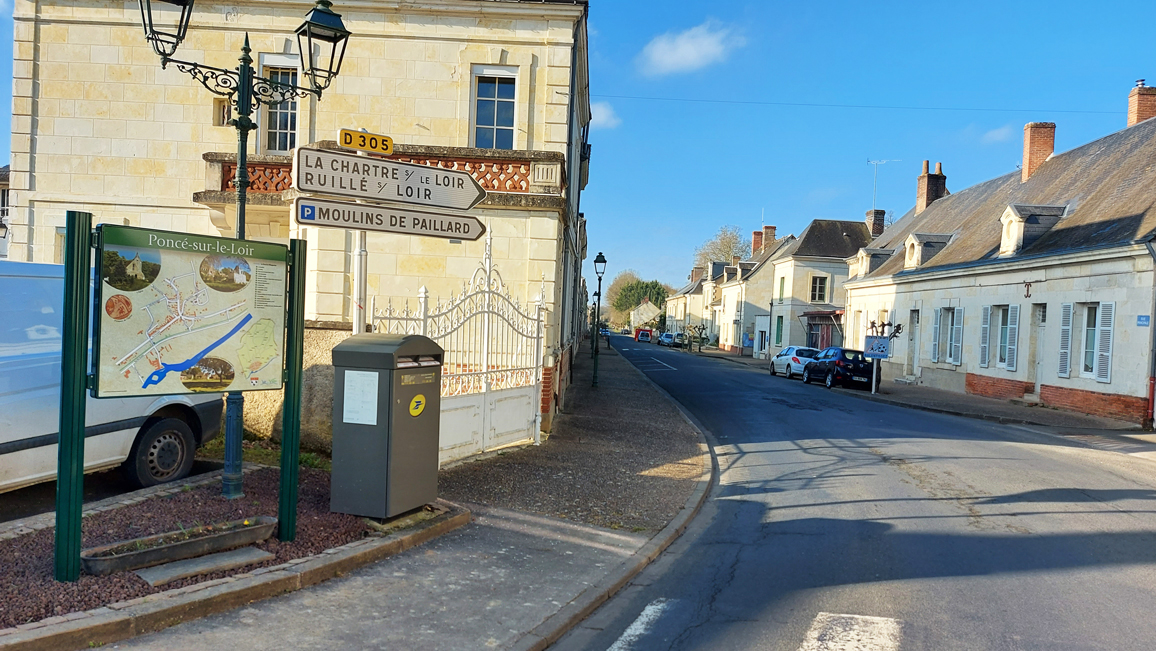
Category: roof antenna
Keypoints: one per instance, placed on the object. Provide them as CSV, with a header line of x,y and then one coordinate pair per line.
x,y
875,184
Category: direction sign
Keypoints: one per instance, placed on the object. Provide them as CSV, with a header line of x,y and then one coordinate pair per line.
x,y
374,179
365,141
369,217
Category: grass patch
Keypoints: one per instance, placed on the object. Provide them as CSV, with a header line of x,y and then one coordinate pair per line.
x,y
266,453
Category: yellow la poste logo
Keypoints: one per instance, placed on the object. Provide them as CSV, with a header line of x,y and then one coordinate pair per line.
x,y
417,405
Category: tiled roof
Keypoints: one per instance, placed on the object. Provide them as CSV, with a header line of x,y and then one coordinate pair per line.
x,y
830,238
1108,187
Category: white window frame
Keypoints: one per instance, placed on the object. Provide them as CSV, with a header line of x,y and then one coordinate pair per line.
x,y
1084,348
274,60
999,315
491,70
826,289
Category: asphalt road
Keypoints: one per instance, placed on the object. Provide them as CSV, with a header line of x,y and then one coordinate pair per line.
x,y
840,523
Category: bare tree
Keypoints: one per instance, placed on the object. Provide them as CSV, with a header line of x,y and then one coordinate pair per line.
x,y
726,244
623,279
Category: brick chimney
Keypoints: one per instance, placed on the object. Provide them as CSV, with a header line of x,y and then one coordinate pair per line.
x,y
768,235
756,242
1141,103
735,261
696,274
1039,143
930,187
875,221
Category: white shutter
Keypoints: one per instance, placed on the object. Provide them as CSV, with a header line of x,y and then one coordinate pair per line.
x,y
957,338
984,335
1013,329
1065,340
935,336
1104,342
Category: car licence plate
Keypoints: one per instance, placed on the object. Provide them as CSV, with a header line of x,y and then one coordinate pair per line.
x,y
860,379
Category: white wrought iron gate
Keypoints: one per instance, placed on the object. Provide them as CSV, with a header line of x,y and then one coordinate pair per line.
x,y
492,370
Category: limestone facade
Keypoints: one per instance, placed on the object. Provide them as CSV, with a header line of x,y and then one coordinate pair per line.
x,y
99,126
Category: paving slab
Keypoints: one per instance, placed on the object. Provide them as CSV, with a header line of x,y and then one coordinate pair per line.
x,y
161,574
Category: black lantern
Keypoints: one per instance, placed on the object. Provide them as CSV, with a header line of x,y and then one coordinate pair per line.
x,y
600,264
322,28
166,40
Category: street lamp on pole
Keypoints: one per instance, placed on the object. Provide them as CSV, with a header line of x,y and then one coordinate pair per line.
x,y
321,40
599,268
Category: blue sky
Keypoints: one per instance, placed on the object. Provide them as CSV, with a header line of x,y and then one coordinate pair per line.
x,y
665,175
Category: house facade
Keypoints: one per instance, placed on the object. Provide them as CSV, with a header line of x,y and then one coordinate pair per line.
x,y
1036,286
498,89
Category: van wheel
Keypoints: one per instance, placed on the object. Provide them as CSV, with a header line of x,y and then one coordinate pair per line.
x,y
162,453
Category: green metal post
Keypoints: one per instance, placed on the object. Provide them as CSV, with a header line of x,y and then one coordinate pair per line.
x,y
597,327
291,412
73,382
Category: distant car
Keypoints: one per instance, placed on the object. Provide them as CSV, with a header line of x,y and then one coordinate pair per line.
x,y
666,339
837,365
679,340
605,332
643,336
626,331
791,360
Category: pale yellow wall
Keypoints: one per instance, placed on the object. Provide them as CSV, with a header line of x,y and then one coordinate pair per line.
x,y
99,126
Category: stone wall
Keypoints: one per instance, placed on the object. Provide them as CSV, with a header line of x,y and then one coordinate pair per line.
x,y
263,408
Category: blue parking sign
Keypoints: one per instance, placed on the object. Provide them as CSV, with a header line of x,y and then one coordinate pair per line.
x,y
308,212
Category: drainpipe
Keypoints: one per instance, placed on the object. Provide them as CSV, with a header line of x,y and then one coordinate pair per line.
x,y
1152,352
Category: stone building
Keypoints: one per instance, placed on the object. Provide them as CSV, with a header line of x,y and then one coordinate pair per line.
x,y
1037,285
497,88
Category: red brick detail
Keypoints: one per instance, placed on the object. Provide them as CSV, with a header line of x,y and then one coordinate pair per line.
x,y
1108,405
547,388
995,387
1141,104
1039,143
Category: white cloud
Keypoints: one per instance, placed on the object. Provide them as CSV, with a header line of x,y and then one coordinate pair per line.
x,y
1002,134
602,116
693,49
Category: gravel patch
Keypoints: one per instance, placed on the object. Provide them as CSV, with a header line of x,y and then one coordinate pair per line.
x,y
28,592
620,457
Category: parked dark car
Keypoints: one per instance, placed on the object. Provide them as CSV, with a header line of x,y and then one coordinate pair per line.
x,y
837,365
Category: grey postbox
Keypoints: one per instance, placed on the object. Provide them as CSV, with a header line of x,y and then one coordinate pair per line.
x,y
386,416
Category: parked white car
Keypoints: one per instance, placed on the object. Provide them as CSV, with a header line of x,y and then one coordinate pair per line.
x,y
152,438
791,360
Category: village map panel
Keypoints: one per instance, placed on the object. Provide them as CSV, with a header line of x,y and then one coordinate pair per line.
x,y
180,313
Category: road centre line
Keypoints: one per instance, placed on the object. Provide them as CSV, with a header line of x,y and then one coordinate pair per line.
x,y
642,624
833,632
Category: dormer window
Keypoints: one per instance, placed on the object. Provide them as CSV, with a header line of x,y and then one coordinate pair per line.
x,y
1024,224
921,247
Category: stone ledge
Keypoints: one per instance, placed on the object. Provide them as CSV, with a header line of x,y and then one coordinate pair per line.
x,y
159,611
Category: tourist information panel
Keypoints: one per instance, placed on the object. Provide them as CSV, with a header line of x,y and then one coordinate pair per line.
x,y
180,313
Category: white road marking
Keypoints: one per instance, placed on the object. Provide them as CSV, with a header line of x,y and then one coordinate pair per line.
x,y
640,626
832,632
659,361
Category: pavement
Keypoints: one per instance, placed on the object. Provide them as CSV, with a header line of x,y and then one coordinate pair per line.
x,y
962,404
557,530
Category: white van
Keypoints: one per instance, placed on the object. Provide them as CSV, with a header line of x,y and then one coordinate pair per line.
x,y
152,438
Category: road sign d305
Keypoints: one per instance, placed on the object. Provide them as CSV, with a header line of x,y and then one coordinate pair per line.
x,y
373,179
365,141
308,211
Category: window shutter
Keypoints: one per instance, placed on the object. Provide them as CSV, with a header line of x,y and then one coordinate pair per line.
x,y
1065,369
935,336
1013,329
984,335
1104,342
957,338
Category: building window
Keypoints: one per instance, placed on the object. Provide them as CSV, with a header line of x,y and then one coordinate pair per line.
x,y
819,289
1002,314
782,288
494,114
947,341
778,331
1089,364
5,197
281,118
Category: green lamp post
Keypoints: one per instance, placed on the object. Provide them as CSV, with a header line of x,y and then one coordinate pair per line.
x,y
321,41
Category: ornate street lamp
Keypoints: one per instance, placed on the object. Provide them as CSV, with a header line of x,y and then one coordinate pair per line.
x,y
321,40
599,268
